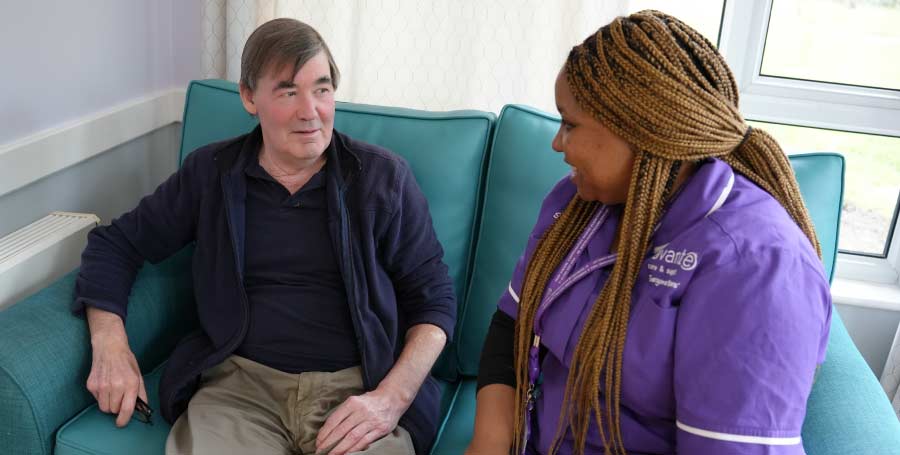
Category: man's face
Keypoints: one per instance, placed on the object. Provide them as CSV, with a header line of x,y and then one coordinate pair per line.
x,y
296,111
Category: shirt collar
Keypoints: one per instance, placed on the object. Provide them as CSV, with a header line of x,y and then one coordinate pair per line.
x,y
252,168
700,196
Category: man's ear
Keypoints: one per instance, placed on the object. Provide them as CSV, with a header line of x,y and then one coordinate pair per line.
x,y
247,99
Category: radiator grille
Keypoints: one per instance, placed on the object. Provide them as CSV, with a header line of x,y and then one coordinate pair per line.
x,y
41,252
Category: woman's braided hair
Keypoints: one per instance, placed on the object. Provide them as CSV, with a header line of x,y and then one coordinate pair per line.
x,y
664,89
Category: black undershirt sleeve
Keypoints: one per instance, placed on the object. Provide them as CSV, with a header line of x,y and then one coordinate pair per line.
x,y
497,365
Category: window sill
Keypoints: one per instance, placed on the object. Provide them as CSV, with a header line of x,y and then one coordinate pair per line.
x,y
866,294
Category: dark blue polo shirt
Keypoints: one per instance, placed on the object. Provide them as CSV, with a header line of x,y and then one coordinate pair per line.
x,y
299,314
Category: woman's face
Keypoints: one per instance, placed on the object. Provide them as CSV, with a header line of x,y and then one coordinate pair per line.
x,y
601,161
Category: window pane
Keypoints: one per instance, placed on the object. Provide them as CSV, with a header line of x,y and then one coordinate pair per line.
x,y
872,180
703,15
844,41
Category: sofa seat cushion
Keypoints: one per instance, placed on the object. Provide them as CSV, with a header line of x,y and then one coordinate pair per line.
x,y
94,432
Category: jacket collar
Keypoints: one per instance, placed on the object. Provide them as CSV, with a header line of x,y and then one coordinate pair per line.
x,y
233,160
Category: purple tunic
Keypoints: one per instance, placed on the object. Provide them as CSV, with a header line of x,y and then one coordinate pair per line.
x,y
729,318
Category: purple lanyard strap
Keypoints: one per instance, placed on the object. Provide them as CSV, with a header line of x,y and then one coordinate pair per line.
x,y
561,281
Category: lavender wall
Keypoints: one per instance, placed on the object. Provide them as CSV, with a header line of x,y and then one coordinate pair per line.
x,y
67,60
63,60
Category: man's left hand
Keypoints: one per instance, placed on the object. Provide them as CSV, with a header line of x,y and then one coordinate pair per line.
x,y
360,421
363,419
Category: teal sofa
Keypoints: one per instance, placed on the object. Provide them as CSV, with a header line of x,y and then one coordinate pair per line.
x,y
484,178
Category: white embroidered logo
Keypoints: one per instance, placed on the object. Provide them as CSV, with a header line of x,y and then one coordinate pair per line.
x,y
685,259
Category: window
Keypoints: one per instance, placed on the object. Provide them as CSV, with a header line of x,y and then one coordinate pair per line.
x,y
821,75
871,186
853,42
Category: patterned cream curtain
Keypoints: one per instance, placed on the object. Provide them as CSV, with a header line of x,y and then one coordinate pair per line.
x,y
424,54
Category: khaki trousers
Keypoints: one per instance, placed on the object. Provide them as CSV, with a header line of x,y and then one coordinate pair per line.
x,y
243,407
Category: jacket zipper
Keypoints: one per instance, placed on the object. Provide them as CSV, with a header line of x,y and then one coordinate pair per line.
x,y
351,288
245,305
243,295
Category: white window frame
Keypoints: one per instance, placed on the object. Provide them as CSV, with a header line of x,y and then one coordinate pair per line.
x,y
812,104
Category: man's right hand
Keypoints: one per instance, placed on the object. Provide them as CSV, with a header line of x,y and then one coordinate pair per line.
x,y
115,380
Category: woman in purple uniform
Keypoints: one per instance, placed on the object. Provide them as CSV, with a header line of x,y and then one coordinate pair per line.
x,y
671,298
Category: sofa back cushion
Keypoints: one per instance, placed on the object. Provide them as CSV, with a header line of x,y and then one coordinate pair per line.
x,y
821,179
522,170
446,150
212,112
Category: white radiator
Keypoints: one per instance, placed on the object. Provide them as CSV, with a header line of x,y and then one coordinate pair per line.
x,y
38,254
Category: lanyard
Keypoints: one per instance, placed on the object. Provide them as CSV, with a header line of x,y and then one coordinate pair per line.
x,y
561,281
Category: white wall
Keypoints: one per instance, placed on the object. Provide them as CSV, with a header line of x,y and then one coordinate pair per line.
x,y
186,42
107,185
872,330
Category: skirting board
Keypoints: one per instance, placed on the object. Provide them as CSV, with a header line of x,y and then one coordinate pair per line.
x,y
36,156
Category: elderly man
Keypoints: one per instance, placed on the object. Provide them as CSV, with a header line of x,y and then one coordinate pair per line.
x,y
319,283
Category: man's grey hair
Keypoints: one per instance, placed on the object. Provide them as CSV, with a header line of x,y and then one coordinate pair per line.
x,y
279,43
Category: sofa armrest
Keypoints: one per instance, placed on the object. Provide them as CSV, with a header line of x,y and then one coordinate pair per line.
x,y
45,353
848,411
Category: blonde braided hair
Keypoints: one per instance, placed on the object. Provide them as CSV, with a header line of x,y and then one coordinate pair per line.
x,y
664,89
